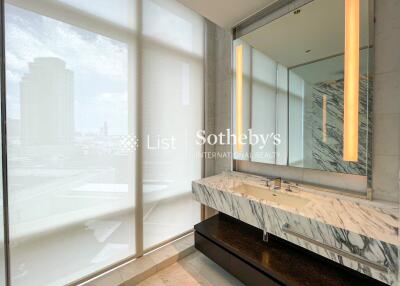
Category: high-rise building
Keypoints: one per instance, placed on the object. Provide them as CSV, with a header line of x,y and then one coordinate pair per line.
x,y
47,103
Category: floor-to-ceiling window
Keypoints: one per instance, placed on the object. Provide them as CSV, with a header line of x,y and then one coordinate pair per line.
x,y
173,100
71,173
73,83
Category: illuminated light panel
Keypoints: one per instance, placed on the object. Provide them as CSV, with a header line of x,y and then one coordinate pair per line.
x,y
239,97
324,138
351,80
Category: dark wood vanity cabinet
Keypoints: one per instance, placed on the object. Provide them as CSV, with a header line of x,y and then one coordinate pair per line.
x,y
239,248
233,264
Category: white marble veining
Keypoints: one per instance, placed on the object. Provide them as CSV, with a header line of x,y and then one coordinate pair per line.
x,y
364,229
379,220
327,155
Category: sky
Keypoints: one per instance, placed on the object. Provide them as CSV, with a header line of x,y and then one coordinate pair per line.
x,y
99,66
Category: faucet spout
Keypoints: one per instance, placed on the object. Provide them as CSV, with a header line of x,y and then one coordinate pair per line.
x,y
277,183
274,183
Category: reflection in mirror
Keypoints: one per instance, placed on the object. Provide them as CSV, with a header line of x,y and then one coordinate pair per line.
x,y
262,92
316,116
294,87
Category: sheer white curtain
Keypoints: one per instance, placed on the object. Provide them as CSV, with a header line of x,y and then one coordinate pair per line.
x,y
72,94
70,100
172,113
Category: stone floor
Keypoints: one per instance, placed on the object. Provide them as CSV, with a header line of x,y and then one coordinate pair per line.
x,y
195,269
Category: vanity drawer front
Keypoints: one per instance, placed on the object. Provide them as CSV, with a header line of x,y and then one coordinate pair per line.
x,y
248,274
213,251
340,245
242,270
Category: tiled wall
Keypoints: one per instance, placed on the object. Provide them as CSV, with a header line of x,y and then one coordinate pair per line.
x,y
386,107
386,111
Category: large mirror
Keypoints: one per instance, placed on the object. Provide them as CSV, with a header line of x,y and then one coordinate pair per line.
x,y
302,88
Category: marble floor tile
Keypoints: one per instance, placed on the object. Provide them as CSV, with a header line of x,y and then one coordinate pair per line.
x,y
195,269
153,281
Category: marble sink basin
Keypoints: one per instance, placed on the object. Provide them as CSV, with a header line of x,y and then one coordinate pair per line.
x,y
271,196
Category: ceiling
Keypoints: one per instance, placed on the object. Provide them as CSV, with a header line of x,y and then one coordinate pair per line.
x,y
319,28
226,13
329,69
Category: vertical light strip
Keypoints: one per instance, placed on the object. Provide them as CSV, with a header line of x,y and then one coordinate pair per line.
x,y
239,97
324,119
351,80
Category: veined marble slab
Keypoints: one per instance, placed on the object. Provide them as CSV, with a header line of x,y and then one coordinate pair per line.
x,y
365,229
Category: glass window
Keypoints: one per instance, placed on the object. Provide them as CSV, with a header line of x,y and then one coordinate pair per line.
x,y
71,119
119,12
173,99
71,158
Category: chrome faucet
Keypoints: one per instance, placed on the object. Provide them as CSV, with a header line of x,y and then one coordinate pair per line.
x,y
290,186
266,182
276,182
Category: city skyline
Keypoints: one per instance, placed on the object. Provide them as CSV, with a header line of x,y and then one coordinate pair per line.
x,y
47,93
99,65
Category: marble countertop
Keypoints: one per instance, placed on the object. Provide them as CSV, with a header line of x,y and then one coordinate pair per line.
x,y
375,219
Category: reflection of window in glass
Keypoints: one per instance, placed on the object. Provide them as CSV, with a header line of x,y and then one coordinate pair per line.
x,y
71,172
264,108
296,119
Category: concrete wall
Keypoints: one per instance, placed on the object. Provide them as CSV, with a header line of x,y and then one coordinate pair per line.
x,y
218,97
386,107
